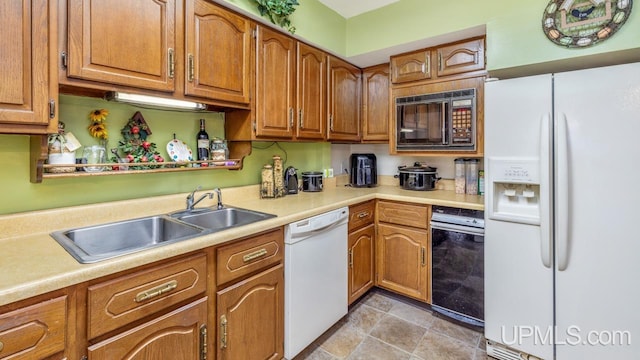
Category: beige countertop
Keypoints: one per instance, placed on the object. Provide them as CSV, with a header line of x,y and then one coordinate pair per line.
x,y
33,263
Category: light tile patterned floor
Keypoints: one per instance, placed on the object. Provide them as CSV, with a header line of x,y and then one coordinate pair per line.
x,y
383,326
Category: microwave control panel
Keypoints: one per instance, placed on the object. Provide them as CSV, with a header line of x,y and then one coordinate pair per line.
x,y
462,121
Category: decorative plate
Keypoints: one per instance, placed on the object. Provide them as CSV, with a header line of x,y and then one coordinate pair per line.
x,y
582,23
179,151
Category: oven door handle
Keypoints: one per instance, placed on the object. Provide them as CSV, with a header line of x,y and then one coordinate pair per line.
x,y
457,228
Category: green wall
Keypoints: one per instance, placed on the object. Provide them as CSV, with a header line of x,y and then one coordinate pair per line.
x,y
19,195
314,22
514,33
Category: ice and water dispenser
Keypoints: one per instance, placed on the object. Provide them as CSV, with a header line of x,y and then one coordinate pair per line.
x,y
513,190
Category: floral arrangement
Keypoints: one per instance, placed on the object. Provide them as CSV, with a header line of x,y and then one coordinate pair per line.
x,y
135,146
98,126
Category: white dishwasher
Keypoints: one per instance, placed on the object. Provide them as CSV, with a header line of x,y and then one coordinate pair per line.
x,y
315,270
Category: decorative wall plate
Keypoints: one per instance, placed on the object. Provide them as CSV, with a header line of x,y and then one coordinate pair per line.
x,y
582,23
179,151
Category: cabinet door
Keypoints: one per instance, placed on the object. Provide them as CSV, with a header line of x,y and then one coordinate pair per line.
x,y
461,57
344,101
311,92
361,262
275,81
411,67
27,67
251,317
34,332
402,260
122,42
375,103
218,53
178,335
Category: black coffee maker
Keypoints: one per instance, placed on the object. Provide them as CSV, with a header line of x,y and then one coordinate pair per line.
x,y
291,180
364,170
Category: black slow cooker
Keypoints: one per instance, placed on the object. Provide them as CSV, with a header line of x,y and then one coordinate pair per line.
x,y
418,177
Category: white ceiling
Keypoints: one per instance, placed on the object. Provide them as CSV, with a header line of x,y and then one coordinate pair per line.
x,y
349,8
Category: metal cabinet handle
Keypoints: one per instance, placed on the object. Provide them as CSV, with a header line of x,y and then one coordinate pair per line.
x,y
156,291
331,122
363,215
440,61
300,116
254,255
223,332
350,258
291,118
1,346
423,255
192,69
52,108
172,64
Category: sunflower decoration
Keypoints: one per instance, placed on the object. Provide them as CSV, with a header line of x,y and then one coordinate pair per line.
x,y
98,126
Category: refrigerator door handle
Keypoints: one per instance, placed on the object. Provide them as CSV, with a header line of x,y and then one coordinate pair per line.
x,y
562,194
545,197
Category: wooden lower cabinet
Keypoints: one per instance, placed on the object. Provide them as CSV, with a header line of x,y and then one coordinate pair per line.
x,y
34,332
178,335
402,260
361,261
251,317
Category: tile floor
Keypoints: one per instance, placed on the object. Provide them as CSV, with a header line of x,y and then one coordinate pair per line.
x,y
384,326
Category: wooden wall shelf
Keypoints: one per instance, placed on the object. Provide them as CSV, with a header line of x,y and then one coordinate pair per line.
x,y
39,170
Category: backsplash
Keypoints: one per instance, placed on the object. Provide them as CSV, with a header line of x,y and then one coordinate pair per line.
x,y
388,164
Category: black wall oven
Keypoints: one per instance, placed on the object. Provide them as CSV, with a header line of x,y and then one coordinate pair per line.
x,y
440,121
457,258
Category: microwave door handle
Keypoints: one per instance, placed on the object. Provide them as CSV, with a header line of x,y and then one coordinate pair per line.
x,y
443,115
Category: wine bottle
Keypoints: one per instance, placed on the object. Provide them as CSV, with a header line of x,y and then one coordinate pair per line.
x,y
203,142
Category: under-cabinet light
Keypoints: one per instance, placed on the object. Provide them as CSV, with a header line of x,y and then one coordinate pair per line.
x,y
145,100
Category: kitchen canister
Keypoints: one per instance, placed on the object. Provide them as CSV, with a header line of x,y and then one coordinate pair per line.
x,y
312,181
267,184
471,176
460,177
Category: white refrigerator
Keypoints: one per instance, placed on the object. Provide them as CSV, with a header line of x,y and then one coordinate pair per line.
x,y
562,216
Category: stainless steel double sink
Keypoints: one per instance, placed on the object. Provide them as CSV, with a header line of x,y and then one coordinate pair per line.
x,y
100,242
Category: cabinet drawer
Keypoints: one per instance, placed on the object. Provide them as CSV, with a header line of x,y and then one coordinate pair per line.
x,y
361,214
35,331
250,255
403,214
117,302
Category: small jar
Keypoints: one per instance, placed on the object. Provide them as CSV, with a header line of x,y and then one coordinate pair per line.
x,y
219,150
460,176
471,172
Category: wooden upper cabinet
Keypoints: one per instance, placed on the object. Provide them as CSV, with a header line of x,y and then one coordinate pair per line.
x,y
218,53
28,67
275,83
124,42
344,101
461,57
375,103
411,67
311,92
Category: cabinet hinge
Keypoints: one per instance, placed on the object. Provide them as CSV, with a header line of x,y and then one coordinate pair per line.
x,y
84,357
203,342
254,33
63,59
255,127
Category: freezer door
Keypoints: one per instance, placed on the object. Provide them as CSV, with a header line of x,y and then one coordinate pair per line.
x,y
597,243
518,285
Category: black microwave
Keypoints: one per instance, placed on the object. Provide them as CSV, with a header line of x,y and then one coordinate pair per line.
x,y
440,121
